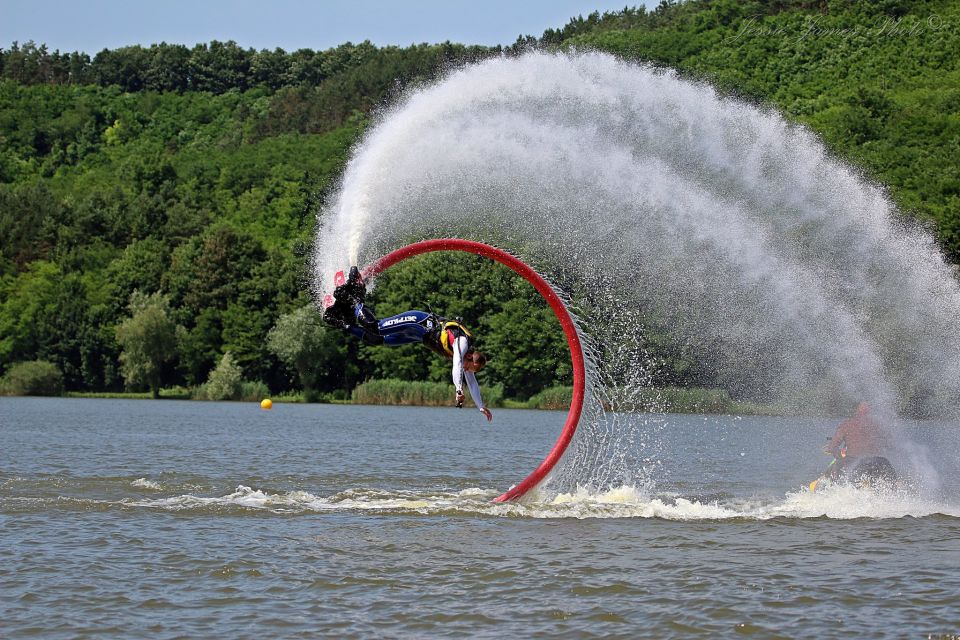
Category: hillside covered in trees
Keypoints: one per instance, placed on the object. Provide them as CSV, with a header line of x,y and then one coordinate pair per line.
x,y
157,204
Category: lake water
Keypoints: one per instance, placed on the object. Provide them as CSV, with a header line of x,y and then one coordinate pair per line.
x,y
127,518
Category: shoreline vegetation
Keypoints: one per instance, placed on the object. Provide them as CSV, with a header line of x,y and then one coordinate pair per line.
x,y
226,383
393,392
158,203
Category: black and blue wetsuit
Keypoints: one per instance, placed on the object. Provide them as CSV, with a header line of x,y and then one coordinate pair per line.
x,y
409,327
440,335
447,338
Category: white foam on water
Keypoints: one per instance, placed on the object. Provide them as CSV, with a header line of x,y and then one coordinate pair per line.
x,y
838,502
143,483
845,502
242,496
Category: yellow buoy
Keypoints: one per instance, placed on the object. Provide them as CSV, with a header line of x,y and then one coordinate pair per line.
x,y
266,403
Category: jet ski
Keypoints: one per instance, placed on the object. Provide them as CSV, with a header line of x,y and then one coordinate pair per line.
x,y
864,472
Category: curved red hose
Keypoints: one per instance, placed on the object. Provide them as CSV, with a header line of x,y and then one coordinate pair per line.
x,y
563,315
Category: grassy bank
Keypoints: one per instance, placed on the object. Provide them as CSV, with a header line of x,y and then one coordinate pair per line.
x,y
418,394
665,399
173,393
553,399
184,393
440,394
690,400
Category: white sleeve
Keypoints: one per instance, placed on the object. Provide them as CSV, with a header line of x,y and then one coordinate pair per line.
x,y
474,389
459,348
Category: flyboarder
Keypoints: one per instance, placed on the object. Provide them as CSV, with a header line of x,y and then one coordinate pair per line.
x,y
447,338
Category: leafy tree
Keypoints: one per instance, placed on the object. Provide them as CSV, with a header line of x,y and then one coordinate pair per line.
x,y
527,351
207,271
273,284
219,67
199,347
99,352
29,304
168,68
67,326
34,378
148,339
225,382
24,234
317,353
139,268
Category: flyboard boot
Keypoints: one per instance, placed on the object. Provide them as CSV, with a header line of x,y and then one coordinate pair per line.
x,y
348,309
354,290
346,298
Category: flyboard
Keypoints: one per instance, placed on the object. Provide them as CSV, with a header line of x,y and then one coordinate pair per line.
x,y
556,304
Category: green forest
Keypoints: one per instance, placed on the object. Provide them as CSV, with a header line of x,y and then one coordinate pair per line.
x,y
157,204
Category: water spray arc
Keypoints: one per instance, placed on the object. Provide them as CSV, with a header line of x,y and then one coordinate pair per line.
x,y
559,309
665,210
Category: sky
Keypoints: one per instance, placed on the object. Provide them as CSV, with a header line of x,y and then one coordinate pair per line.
x,y
94,25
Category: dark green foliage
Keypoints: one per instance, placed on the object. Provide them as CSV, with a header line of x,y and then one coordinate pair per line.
x,y
34,378
195,172
317,353
27,213
526,347
199,347
207,271
326,87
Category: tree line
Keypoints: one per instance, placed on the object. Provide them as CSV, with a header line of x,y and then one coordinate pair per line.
x,y
183,182
218,67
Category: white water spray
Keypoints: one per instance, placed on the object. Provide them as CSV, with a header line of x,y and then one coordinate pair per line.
x,y
652,196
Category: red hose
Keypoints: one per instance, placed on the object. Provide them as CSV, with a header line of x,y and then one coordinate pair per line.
x,y
569,329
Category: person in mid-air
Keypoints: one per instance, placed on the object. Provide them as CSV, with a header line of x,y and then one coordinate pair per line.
x,y
447,338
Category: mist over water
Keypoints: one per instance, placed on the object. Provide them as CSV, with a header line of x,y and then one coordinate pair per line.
x,y
648,198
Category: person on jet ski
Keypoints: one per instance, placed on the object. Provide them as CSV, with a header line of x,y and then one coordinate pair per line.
x,y
444,337
858,441
861,433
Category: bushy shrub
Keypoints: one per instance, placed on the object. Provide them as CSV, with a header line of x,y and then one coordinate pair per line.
x,y
253,391
176,392
404,392
225,382
492,395
34,378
